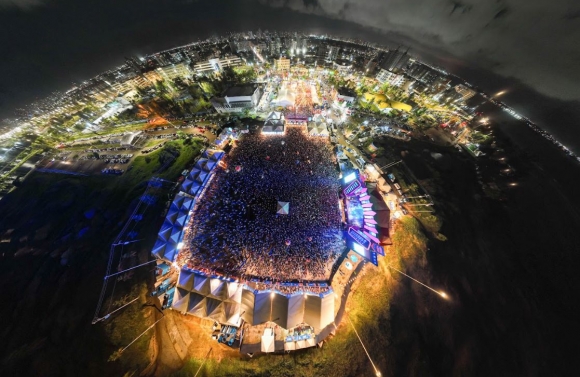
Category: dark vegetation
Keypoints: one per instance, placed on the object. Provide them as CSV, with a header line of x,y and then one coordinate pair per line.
x,y
507,265
56,232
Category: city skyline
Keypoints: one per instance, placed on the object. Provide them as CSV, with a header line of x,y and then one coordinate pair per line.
x,y
36,75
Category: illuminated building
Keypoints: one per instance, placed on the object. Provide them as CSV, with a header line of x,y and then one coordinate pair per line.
x,y
283,64
390,78
332,53
217,64
153,76
394,60
237,98
173,71
465,92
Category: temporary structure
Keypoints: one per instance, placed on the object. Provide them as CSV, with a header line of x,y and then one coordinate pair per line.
x,y
283,208
227,301
268,344
171,232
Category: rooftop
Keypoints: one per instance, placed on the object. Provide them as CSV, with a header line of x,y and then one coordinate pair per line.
x,y
240,90
344,91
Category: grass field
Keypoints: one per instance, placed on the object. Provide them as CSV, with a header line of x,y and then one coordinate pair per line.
x,y
58,230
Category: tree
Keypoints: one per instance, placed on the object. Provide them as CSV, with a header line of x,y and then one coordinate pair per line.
x,y
169,153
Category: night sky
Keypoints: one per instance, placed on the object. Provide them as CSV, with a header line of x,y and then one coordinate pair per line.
x,y
528,47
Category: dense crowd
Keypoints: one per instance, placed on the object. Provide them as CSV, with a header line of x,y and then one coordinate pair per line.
x,y
236,228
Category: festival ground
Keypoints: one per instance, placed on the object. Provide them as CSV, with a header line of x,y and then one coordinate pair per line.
x,y
236,229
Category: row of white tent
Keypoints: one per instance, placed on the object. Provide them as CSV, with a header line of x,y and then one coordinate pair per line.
x,y
171,233
317,128
226,302
200,173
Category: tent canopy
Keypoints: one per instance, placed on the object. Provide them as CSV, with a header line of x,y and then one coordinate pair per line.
x,y
283,208
228,301
268,340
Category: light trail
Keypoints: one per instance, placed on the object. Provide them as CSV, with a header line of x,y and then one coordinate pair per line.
x,y
143,333
440,293
377,373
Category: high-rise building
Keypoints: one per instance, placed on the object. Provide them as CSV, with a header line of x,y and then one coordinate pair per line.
x,y
465,92
275,46
161,59
294,47
283,64
177,57
135,64
395,60
216,64
173,71
332,53
321,52
242,46
303,46
390,78
193,55
423,73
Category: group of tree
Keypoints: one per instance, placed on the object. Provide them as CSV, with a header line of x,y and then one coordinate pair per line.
x,y
229,76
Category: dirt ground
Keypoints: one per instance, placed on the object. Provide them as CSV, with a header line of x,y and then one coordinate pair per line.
x,y
180,337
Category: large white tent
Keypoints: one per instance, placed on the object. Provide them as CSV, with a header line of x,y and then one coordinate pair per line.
x,y
268,340
273,126
197,305
171,232
295,310
285,97
227,301
317,128
201,172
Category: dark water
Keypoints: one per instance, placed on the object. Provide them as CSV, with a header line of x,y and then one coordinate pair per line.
x,y
561,170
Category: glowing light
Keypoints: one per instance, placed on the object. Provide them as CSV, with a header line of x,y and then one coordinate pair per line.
x,y
272,294
358,248
440,293
349,178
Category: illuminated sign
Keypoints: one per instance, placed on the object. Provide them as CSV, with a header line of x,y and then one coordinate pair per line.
x,y
378,249
359,237
359,249
349,178
352,187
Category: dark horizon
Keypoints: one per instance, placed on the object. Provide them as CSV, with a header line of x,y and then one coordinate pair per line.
x,y
89,38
